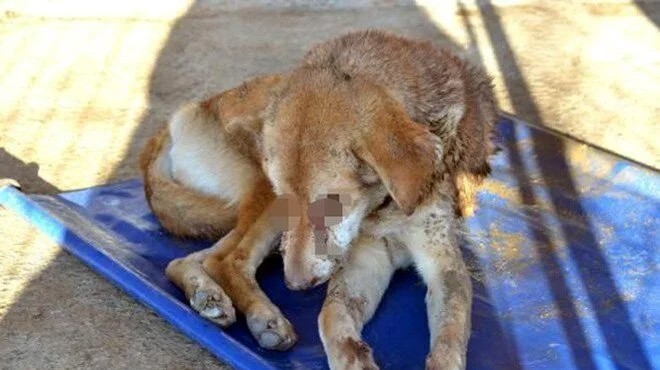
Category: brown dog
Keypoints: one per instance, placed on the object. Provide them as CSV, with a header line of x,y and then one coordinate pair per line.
x,y
369,117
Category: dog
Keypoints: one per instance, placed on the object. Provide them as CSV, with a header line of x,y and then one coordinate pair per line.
x,y
395,128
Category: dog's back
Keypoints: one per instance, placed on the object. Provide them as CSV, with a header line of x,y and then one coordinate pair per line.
x,y
437,88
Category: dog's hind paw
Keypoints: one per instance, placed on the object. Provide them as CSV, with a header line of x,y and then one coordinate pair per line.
x,y
211,303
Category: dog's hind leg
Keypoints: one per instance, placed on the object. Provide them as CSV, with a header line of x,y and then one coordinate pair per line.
x,y
235,271
434,249
354,292
204,294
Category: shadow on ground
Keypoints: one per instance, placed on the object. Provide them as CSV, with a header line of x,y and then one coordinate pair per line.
x,y
651,10
14,168
595,272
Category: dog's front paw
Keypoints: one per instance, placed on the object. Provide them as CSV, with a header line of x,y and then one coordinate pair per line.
x,y
352,354
445,359
270,328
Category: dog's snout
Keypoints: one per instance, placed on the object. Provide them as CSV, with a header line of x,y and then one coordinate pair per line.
x,y
300,285
307,261
308,275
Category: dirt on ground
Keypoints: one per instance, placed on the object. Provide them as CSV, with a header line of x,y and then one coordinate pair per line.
x,y
84,84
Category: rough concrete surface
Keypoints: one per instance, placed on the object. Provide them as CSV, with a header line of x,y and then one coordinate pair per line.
x,y
83,84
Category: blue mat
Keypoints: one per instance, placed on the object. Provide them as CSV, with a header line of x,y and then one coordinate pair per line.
x,y
563,253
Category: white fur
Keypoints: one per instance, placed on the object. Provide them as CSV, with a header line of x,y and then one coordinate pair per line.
x,y
364,278
162,165
344,232
272,170
322,267
202,159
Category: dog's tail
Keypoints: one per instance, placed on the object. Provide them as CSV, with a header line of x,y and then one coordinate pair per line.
x,y
181,210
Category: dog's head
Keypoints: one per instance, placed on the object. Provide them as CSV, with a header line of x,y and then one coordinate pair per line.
x,y
334,148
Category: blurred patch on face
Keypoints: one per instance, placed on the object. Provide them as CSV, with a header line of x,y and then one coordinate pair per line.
x,y
323,213
326,211
287,212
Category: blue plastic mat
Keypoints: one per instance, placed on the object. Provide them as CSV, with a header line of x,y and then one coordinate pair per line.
x,y
563,253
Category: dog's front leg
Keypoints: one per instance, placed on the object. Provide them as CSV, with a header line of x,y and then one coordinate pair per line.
x,y
434,248
354,292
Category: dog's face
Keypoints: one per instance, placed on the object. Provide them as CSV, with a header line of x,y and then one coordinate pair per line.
x,y
334,148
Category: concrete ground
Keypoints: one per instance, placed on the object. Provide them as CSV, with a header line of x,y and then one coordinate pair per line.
x,y
83,84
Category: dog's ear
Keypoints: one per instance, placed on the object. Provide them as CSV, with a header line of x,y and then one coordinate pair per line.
x,y
404,154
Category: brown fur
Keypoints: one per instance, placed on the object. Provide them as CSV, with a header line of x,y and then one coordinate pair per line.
x,y
401,152
357,353
419,117
422,120
233,119
239,112
409,71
